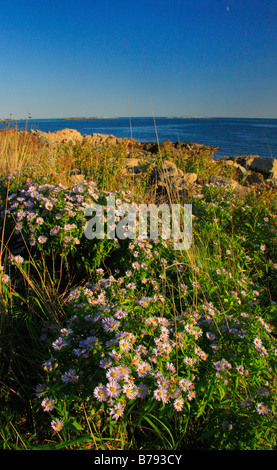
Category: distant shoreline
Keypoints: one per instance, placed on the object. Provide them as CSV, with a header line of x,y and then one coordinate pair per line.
x,y
157,117
101,117
188,117
58,119
98,117
30,119
79,118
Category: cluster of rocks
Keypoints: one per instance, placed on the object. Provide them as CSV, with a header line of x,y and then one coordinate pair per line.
x,y
251,170
255,170
65,136
164,176
141,158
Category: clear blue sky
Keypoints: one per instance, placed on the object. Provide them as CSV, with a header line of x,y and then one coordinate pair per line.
x,y
63,58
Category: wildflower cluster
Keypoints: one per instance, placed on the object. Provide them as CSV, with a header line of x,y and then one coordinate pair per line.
x,y
132,353
245,230
151,331
45,223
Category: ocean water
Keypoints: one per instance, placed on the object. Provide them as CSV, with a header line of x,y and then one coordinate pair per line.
x,y
233,136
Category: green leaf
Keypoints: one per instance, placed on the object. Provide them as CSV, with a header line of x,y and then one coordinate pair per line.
x,y
208,434
77,425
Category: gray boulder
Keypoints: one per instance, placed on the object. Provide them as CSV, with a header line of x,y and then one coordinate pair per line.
x,y
162,174
266,166
252,178
222,181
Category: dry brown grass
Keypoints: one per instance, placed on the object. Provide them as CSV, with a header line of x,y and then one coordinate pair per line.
x,y
17,150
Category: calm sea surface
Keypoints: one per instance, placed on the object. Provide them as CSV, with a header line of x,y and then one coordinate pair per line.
x,y
234,136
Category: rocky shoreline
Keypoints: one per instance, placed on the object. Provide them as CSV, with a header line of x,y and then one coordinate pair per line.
x,y
52,139
251,169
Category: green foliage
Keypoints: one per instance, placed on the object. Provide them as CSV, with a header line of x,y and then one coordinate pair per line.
x,y
194,330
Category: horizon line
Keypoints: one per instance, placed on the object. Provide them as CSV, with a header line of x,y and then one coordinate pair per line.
x,y
69,118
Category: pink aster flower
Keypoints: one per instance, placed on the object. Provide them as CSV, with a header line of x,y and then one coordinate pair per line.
x,y
262,409
161,394
42,239
40,389
124,371
114,374
191,395
57,425
48,205
163,382
70,376
5,278
117,411
143,369
226,426
130,391
18,259
105,363
185,384
189,361
110,324
113,389
48,404
120,313
178,404
142,391
210,336
125,345
262,391
59,343
258,343
100,393
39,220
